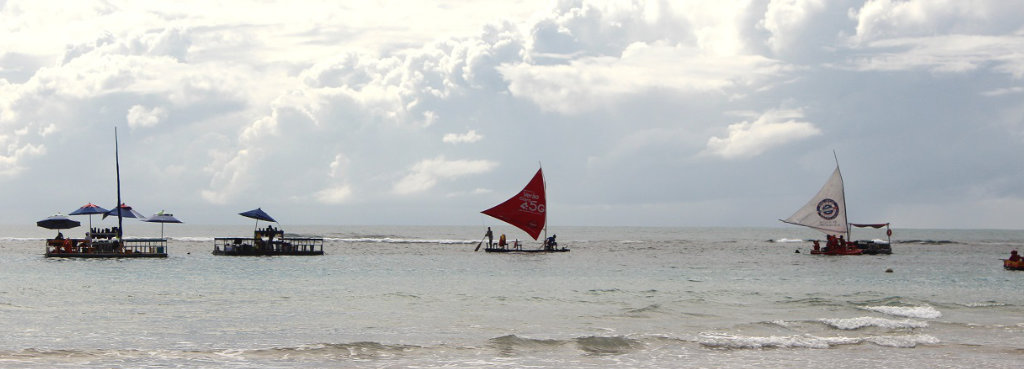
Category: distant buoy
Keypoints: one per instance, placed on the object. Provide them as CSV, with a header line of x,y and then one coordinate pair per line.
x,y
888,270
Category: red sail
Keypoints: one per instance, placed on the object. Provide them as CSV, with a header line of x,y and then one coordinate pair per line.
x,y
527,209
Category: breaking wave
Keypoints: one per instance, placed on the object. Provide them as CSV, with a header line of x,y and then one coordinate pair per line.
x,y
787,240
726,341
862,322
920,312
607,345
402,241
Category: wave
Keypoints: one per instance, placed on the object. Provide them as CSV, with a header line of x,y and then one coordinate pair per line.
x,y
928,242
22,238
920,312
786,240
607,345
858,323
403,240
192,239
509,342
726,341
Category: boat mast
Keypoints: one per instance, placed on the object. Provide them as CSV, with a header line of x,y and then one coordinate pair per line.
x,y
846,214
545,183
117,168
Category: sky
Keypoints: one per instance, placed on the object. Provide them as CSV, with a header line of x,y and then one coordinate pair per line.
x,y
641,113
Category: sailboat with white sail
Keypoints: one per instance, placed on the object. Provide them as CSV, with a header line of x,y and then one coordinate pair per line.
x,y
826,212
527,210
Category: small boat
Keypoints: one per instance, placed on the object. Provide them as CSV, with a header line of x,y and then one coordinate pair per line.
x,y
1013,265
874,247
826,212
109,242
267,241
527,210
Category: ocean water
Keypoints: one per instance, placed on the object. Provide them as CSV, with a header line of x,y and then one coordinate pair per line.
x,y
396,297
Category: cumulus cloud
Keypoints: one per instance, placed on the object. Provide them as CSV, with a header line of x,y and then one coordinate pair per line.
x,y
773,128
468,137
334,195
139,116
590,83
785,20
425,174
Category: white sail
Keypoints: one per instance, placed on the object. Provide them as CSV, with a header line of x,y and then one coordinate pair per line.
x,y
827,210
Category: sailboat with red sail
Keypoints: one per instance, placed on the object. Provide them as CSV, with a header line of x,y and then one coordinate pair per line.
x,y
527,210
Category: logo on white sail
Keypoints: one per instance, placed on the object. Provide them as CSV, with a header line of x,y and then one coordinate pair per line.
x,y
828,209
531,202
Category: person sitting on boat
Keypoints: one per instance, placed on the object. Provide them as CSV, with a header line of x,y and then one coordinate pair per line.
x,y
817,245
550,243
60,236
501,241
1014,257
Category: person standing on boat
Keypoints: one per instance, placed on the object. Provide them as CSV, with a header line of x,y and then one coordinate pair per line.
x,y
490,237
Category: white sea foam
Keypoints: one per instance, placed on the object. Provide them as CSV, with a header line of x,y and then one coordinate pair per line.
x,y
910,341
727,341
920,312
192,239
788,240
858,323
740,342
2,239
403,240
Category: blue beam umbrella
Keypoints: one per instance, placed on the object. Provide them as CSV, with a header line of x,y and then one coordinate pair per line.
x,y
89,209
125,212
58,222
259,215
162,218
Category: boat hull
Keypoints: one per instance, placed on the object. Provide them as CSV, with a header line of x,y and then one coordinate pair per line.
x,y
99,255
846,251
873,248
1013,265
128,248
266,253
525,251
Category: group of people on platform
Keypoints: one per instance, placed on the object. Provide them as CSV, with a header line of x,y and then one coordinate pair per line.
x,y
549,243
502,241
832,243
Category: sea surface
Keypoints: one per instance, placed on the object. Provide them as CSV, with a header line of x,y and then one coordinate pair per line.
x,y
398,297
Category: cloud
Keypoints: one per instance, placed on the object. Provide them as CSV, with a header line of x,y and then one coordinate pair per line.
x,y
773,128
786,20
946,54
468,137
593,82
334,195
139,116
425,174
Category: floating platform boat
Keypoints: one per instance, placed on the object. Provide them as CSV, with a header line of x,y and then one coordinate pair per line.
x,y
1013,265
103,243
112,248
267,241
